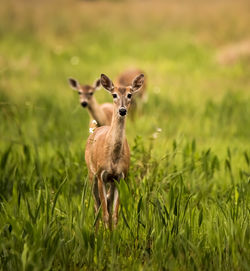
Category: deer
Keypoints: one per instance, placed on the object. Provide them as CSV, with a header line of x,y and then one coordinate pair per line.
x,y
99,114
107,152
125,79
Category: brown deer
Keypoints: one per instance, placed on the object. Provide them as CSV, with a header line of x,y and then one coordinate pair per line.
x,y
102,114
107,152
125,79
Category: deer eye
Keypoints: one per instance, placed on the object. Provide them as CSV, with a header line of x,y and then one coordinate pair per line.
x,y
79,92
129,95
114,95
91,93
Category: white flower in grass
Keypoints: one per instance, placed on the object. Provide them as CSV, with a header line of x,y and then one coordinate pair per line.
x,y
94,122
91,130
155,135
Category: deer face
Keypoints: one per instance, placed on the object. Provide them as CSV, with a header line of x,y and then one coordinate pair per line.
x,y
85,91
122,98
122,95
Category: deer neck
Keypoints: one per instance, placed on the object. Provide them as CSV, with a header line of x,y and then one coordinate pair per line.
x,y
96,112
116,137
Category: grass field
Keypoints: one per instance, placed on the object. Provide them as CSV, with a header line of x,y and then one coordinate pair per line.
x,y
185,205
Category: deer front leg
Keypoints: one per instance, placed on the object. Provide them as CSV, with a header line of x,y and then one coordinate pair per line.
x,y
115,207
103,198
110,199
96,195
96,199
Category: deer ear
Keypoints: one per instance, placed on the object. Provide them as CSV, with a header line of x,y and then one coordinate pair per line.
x,y
107,83
97,84
73,83
137,83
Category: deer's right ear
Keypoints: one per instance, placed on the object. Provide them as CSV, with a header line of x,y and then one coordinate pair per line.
x,y
73,83
107,83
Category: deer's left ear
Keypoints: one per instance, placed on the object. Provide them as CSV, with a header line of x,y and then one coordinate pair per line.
x,y
107,83
97,84
73,83
137,83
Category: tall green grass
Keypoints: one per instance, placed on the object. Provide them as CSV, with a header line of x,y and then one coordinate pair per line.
x,y
188,210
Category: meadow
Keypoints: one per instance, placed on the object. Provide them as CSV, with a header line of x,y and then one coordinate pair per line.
x,y
185,205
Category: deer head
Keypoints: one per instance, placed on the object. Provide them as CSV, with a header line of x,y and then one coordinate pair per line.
x,y
85,91
122,95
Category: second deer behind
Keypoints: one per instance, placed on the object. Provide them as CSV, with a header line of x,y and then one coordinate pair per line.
x,y
102,114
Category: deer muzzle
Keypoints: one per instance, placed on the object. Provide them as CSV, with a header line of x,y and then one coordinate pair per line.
x,y
122,111
84,103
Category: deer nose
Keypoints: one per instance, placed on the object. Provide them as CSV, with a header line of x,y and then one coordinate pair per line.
x,y
84,104
122,111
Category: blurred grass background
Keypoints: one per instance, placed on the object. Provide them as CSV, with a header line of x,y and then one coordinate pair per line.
x,y
198,94
175,43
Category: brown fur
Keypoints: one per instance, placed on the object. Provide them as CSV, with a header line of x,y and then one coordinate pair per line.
x,y
107,152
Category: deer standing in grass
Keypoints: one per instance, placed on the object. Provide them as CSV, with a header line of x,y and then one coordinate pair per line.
x,y
125,79
102,114
107,152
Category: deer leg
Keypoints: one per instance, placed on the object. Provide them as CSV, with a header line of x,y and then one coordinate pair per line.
x,y
116,201
110,202
96,199
103,198
115,207
96,195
